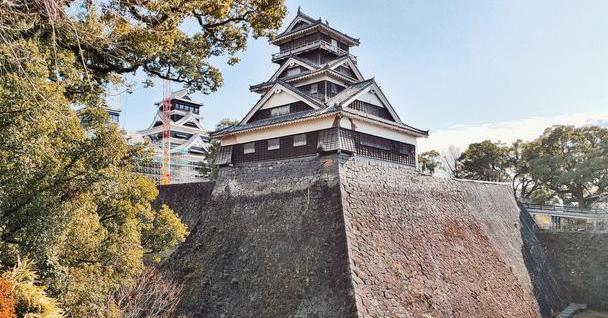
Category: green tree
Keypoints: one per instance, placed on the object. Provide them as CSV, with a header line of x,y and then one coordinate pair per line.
x,y
68,197
429,161
485,161
170,39
572,163
519,158
209,168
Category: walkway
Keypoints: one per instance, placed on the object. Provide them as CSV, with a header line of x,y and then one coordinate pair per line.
x,y
566,218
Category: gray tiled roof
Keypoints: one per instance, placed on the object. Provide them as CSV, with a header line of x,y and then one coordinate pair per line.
x,y
315,22
301,74
334,104
349,92
276,120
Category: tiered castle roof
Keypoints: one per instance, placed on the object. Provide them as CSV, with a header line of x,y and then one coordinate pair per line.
x,y
317,79
189,140
187,133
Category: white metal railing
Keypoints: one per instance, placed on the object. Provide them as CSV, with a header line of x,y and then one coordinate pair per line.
x,y
320,43
562,208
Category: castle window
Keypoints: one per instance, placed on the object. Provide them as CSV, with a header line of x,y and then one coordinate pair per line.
x,y
293,71
406,149
278,111
375,142
249,148
178,135
274,144
334,44
333,89
314,88
299,140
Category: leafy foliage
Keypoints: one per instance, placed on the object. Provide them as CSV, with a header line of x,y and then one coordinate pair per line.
x,y
68,197
162,229
571,163
484,161
31,300
565,164
171,39
429,161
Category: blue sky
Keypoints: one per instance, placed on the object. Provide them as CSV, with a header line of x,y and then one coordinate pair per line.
x,y
446,65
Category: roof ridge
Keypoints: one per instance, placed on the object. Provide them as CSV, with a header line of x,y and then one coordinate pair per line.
x,y
304,15
313,23
339,58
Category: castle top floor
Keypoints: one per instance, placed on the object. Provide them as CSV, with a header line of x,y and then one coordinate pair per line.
x,y
305,34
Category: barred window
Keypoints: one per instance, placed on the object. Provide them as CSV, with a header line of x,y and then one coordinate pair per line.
x,y
299,140
249,148
333,88
274,144
372,141
406,149
314,88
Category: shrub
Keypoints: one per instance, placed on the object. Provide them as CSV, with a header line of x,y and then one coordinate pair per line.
x,y
30,299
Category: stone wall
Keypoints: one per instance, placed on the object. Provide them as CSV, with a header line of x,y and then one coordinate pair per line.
x,y
188,200
271,244
429,247
580,263
336,236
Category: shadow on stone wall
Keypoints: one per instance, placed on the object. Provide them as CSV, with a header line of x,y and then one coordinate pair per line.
x,y
188,200
579,261
547,290
270,244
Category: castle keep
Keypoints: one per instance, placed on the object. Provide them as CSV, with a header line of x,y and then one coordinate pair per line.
x,y
188,140
318,102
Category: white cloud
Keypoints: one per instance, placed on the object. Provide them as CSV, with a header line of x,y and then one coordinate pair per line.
x,y
507,131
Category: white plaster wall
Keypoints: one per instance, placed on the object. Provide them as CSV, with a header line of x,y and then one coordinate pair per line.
x,y
278,99
371,98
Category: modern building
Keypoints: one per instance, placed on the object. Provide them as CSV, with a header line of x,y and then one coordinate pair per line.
x,y
113,115
188,140
318,102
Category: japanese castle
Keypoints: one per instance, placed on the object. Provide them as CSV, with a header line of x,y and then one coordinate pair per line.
x,y
318,102
189,140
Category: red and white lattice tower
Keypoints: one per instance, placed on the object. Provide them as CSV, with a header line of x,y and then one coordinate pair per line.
x,y
165,170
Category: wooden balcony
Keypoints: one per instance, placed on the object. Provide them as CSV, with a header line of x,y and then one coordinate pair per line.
x,y
311,46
